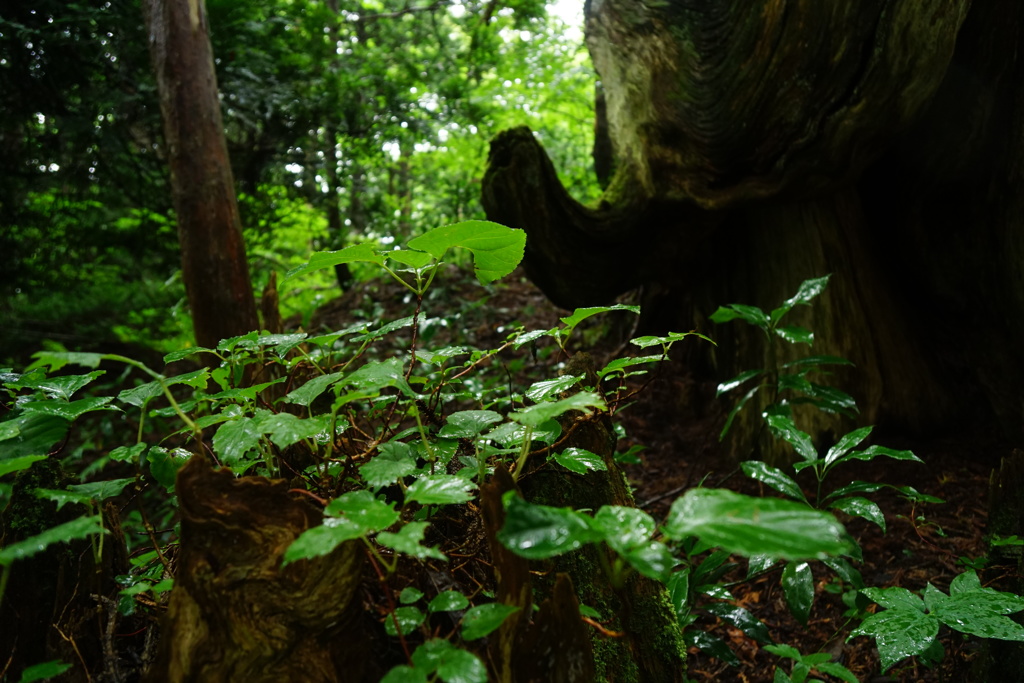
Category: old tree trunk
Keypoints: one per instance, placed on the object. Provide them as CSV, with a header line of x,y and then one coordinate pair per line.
x,y
757,144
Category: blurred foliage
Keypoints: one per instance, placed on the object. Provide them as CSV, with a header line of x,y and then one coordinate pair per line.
x,y
346,121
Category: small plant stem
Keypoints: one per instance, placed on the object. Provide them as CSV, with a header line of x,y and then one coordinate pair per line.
x,y
524,453
372,554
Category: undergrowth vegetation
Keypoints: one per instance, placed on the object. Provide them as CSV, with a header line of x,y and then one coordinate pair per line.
x,y
393,428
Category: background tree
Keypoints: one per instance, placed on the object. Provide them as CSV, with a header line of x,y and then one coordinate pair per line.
x,y
755,147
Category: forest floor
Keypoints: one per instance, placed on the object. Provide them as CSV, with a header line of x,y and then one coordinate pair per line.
x,y
677,420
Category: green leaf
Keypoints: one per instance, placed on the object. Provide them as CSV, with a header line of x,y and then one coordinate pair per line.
x,y
440,489
977,616
451,664
741,619
512,434
312,389
807,291
966,582
784,427
18,464
482,620
623,527
846,443
756,526
796,335
101,490
537,532
813,361
736,381
33,434
496,250
357,253
652,559
541,391
56,360
164,464
712,645
408,541
408,257
62,498
581,314
80,527
855,487
894,598
838,670
405,674
44,671
448,601
899,633
736,409
363,509
409,595
798,587
620,364
69,411
468,424
872,452
59,388
670,338
323,539
542,412
751,314
580,461
377,375
861,507
408,618
234,439
394,461
773,477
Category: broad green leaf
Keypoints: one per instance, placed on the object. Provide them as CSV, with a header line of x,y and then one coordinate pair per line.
x,y
69,411
623,527
363,509
101,490
837,670
846,443
756,526
127,453
741,619
910,493
468,424
872,452
736,409
899,633
164,464
408,620
670,338
482,620
830,400
395,460
410,595
138,396
796,335
182,354
405,674
451,664
440,489
967,614
652,559
448,601
363,252
44,671
323,539
61,388
377,375
408,540
807,291
798,587
985,600
759,564
620,364
894,598
773,477
537,532
845,571
496,250
541,391
783,426
286,429
751,314
861,507
408,257
581,314
309,391
522,338
20,463
56,360
234,439
438,356
283,343
736,381
855,487
63,497
678,585
34,434
78,528
580,461
542,412
511,434
966,582
784,651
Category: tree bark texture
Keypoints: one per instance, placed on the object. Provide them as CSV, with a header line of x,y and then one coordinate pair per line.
x,y
235,613
213,259
758,144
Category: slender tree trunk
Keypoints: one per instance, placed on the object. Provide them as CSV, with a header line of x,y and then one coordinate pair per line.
x,y
209,227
